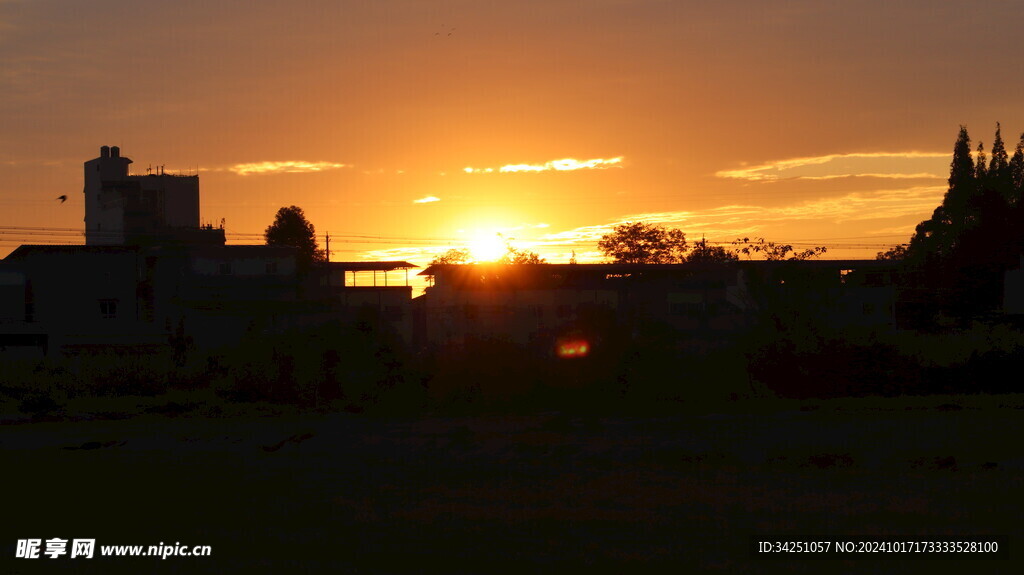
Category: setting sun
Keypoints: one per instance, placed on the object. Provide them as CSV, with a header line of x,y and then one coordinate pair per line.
x,y
487,246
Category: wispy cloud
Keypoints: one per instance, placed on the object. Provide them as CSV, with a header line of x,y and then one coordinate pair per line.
x,y
888,165
916,176
732,221
412,254
290,167
563,165
427,200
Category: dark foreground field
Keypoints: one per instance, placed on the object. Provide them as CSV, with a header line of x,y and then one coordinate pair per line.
x,y
533,493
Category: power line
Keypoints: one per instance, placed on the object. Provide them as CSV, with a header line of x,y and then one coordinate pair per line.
x,y
40,234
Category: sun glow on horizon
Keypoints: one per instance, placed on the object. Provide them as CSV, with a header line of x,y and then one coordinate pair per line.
x,y
487,246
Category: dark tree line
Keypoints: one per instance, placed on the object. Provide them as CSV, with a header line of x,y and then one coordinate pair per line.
x,y
643,243
961,253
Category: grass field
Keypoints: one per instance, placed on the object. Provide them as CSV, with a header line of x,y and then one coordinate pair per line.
x,y
520,493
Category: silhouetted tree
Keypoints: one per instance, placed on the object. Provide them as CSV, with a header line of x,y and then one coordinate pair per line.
x,y
1016,170
980,165
934,238
897,253
453,256
703,252
292,229
962,183
773,251
518,256
1000,161
641,243
961,252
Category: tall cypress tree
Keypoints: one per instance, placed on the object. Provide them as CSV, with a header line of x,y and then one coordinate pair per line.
x,y
998,165
962,183
1016,170
999,180
980,165
961,252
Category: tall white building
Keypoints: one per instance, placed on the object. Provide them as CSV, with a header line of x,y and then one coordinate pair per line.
x,y
136,209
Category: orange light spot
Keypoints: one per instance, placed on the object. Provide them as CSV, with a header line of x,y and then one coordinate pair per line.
x,y
573,348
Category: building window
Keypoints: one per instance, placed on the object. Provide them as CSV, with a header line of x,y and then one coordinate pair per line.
x,y
271,268
108,308
225,268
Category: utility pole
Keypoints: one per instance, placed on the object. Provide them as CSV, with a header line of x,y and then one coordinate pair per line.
x,y
327,241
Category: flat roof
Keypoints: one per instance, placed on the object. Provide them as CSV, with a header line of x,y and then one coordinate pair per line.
x,y
370,266
32,249
617,268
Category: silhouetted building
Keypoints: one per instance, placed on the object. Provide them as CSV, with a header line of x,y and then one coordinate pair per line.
x,y
538,303
377,291
159,208
19,337
83,297
133,298
149,272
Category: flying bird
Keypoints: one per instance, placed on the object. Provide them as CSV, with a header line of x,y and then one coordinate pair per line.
x,y
62,198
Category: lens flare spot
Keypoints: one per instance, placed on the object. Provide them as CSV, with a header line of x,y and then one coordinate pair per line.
x,y
573,348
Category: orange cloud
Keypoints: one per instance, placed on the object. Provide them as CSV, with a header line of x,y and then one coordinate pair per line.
x,y
890,165
563,165
291,167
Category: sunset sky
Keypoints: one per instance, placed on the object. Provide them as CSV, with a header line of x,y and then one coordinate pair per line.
x,y
404,128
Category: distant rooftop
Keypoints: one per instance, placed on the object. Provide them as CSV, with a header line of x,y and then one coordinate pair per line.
x,y
30,249
617,268
385,266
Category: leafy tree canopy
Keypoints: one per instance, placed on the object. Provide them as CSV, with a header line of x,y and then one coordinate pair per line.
x,y
452,256
518,256
292,229
642,243
773,251
897,253
512,255
703,252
